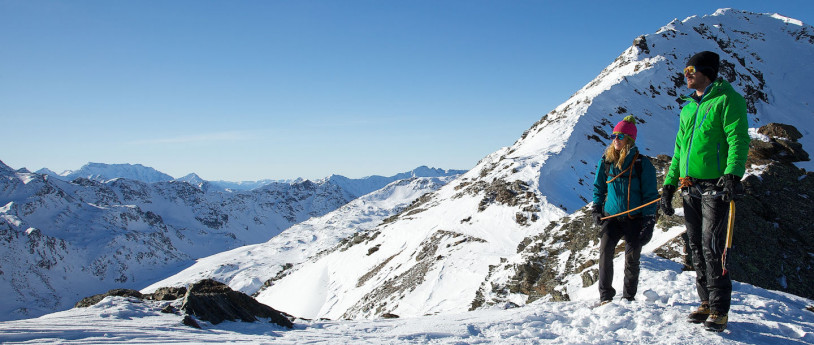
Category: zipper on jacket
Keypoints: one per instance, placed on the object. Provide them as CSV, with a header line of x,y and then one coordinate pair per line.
x,y
692,138
706,113
694,121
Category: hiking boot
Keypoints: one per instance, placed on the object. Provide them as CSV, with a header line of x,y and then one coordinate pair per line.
x,y
701,314
604,302
716,322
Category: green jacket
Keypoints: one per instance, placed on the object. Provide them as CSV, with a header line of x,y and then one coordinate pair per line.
x,y
713,136
613,196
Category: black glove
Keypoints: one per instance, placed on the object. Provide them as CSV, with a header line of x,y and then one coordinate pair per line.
x,y
732,187
666,203
597,214
648,223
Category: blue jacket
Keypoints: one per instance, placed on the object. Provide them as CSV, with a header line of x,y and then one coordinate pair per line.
x,y
613,195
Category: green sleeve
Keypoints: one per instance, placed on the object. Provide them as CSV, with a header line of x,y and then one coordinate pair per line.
x,y
671,178
736,130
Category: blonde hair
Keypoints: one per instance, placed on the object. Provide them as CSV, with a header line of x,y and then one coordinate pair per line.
x,y
618,157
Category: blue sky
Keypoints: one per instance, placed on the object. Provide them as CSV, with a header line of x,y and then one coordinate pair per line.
x,y
248,90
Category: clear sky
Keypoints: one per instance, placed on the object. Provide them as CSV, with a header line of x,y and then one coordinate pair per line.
x,y
248,90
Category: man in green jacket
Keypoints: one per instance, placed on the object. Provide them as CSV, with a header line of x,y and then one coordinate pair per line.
x,y
709,161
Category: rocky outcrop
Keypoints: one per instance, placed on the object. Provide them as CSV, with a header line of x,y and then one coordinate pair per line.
x,y
781,147
92,300
168,294
215,302
206,300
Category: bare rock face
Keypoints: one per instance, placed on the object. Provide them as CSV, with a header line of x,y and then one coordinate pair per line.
x,y
168,293
92,300
206,300
782,146
780,130
212,301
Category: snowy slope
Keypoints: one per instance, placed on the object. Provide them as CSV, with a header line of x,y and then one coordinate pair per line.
x,y
434,258
758,317
247,268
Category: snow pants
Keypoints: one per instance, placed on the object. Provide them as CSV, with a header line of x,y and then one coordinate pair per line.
x,y
706,219
613,231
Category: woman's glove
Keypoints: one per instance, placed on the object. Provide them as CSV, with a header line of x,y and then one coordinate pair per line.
x,y
648,223
596,214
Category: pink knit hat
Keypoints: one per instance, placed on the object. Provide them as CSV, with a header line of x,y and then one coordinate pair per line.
x,y
627,126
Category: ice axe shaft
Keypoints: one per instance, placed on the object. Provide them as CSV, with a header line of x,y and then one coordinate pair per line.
x,y
730,227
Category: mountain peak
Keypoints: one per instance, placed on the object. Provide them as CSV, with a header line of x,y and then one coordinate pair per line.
x,y
104,172
5,169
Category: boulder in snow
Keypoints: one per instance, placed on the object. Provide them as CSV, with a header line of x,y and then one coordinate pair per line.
x,y
215,302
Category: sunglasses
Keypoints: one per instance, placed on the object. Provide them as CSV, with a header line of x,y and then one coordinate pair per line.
x,y
689,70
619,136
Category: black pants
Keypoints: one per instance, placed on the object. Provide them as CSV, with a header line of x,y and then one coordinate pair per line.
x,y
612,232
706,219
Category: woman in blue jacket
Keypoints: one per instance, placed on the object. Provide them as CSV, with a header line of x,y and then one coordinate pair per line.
x,y
624,180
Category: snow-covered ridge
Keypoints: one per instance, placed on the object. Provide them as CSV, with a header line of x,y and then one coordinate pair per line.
x,y
102,172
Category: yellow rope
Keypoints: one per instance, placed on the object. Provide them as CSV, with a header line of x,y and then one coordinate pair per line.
x,y
628,211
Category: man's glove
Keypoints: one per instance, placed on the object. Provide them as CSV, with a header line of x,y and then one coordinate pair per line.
x,y
596,214
732,187
666,203
648,223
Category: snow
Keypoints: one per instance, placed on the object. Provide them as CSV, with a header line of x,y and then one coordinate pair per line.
x,y
430,262
667,294
787,19
242,268
753,134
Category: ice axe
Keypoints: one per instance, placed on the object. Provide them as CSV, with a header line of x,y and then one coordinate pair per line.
x,y
730,227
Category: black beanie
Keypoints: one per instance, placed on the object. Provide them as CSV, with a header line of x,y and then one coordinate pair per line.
x,y
707,63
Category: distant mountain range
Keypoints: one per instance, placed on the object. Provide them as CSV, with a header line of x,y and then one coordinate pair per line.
x,y
102,172
108,228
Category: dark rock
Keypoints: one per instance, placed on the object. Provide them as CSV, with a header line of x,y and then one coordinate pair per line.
x,y
189,321
641,43
212,301
774,233
169,309
389,316
779,130
776,149
781,147
590,277
92,300
168,293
